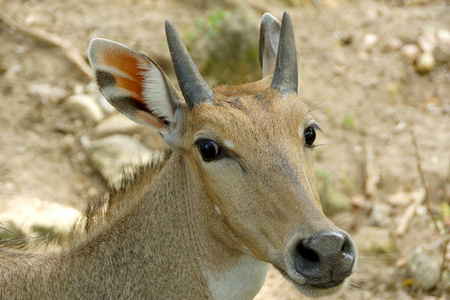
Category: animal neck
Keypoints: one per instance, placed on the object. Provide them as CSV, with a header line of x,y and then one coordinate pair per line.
x,y
228,271
168,226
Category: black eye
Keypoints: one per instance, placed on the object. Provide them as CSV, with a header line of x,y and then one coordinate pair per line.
x,y
209,150
310,135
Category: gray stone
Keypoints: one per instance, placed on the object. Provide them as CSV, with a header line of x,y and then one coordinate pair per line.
x,y
381,215
424,268
47,93
442,54
116,124
446,280
334,202
87,106
113,155
374,240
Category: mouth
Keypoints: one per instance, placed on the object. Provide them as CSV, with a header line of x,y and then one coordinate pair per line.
x,y
314,290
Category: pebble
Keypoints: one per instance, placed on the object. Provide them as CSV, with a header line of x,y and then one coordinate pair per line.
x,y
442,54
446,279
381,215
394,43
116,124
427,42
87,106
334,202
425,63
113,155
47,93
374,240
92,89
424,268
443,36
370,41
410,52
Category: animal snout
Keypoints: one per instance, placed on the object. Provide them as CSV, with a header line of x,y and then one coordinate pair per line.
x,y
325,259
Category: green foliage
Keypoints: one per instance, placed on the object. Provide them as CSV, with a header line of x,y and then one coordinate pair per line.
x,y
333,201
224,44
324,176
445,209
349,122
10,230
49,233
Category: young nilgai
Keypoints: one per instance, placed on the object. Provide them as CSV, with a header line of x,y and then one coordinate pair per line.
x,y
235,193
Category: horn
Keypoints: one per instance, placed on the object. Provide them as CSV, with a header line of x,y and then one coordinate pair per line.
x,y
285,78
192,85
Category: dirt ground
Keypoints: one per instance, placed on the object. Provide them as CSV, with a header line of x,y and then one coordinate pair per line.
x,y
367,96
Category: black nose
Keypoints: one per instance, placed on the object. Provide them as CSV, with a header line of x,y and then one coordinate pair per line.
x,y
325,259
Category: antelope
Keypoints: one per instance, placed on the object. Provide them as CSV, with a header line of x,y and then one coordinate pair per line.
x,y
235,193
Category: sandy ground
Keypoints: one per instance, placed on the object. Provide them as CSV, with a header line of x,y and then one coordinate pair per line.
x,y
365,95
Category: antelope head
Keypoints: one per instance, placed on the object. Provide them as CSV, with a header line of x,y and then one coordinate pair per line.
x,y
248,148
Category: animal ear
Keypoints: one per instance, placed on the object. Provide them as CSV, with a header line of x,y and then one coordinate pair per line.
x,y
269,37
134,84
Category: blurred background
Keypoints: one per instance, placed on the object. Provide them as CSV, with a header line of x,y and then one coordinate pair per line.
x,y
374,73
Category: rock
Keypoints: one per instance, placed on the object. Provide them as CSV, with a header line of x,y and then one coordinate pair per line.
x,y
112,155
87,106
446,280
381,215
47,93
394,43
370,41
116,124
374,240
371,14
427,42
425,63
28,213
92,89
334,202
424,268
442,54
443,36
410,52
225,46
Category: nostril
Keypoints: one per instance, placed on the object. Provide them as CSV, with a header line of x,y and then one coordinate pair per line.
x,y
307,261
307,254
324,257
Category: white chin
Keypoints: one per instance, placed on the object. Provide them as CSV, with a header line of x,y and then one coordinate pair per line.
x,y
314,292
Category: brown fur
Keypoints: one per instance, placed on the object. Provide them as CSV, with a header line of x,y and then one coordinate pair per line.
x,y
161,228
112,254
186,228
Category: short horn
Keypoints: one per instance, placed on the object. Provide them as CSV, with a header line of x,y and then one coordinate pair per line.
x,y
285,78
192,85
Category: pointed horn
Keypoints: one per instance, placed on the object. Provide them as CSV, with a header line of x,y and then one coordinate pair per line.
x,y
285,78
192,85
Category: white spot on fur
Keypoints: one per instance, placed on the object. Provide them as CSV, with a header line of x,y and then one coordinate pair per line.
x,y
229,144
243,280
218,209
